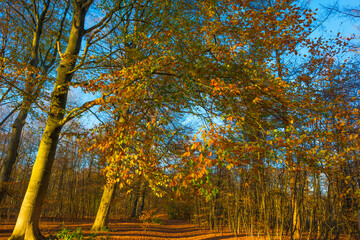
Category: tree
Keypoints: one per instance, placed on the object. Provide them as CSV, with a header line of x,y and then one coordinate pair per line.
x,y
146,100
40,61
104,208
27,223
279,142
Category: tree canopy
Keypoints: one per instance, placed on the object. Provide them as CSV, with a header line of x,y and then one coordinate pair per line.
x,y
231,112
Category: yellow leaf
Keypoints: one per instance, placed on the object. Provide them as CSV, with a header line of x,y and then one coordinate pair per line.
x,y
230,166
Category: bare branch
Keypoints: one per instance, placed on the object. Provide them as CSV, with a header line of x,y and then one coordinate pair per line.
x,y
105,19
80,110
10,114
31,97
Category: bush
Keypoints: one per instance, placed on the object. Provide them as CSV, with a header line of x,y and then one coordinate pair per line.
x,y
66,234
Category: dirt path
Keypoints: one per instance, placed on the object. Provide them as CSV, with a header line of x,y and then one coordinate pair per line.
x,y
171,229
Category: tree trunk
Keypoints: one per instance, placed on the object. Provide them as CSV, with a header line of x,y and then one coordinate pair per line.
x,y
142,198
19,122
133,212
295,231
104,208
30,94
142,202
27,224
12,149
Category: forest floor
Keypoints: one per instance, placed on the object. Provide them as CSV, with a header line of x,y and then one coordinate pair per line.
x,y
169,229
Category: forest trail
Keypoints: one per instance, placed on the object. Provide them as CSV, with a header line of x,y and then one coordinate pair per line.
x,y
170,229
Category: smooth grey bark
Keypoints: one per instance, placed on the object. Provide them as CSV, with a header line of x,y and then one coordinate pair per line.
x,y
27,224
102,215
19,122
31,91
12,150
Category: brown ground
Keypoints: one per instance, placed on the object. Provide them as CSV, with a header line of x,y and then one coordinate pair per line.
x,y
170,229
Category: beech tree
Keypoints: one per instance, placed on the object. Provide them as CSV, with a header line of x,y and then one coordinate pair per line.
x,y
27,225
256,94
279,144
42,19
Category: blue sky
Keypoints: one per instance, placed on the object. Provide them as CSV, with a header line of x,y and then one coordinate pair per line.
x,y
336,22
